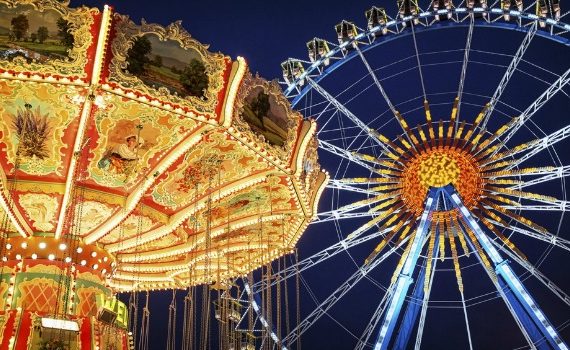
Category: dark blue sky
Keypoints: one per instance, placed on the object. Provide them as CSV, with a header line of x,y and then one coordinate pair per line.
x,y
266,33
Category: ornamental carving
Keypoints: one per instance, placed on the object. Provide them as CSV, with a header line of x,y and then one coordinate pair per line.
x,y
166,63
45,36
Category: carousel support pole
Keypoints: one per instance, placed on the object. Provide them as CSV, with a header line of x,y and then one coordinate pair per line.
x,y
530,308
405,278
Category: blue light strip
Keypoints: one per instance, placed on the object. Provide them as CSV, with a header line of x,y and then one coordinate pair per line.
x,y
503,269
413,308
405,278
527,322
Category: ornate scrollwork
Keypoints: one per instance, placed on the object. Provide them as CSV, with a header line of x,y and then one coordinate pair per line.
x,y
271,88
311,167
80,21
126,32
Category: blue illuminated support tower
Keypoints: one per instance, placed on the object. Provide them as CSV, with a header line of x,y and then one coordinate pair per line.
x,y
404,280
530,308
527,312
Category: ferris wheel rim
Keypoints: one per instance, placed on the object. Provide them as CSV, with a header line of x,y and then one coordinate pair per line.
x,y
295,90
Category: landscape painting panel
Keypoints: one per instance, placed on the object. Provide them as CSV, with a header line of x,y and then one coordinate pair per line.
x,y
33,35
165,64
265,116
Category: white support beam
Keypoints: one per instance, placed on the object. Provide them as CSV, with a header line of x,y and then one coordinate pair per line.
x,y
535,106
511,69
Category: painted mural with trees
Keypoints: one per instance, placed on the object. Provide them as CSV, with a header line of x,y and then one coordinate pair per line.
x,y
165,64
33,35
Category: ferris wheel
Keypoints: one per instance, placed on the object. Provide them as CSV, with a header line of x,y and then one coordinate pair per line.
x,y
444,224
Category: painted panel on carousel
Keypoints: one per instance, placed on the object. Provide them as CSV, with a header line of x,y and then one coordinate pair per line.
x,y
132,226
265,116
130,139
270,196
41,132
45,37
166,63
41,210
216,161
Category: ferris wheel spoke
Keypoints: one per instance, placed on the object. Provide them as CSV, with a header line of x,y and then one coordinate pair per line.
x,y
325,254
363,340
464,68
511,69
418,60
334,215
540,101
536,273
376,80
548,174
558,205
542,236
329,147
323,307
339,106
338,185
541,145
397,115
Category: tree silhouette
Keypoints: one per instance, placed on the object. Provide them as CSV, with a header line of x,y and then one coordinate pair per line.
x,y
137,55
20,26
194,78
157,61
42,34
33,37
260,106
64,33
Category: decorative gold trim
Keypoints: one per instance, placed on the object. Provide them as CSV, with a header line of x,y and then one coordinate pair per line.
x,y
80,19
125,33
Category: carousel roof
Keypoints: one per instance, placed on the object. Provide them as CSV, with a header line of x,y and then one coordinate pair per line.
x,y
176,164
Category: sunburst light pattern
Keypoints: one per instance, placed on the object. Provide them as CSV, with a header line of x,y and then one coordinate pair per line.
x,y
447,152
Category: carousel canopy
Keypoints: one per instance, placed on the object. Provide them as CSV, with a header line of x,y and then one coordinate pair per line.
x,y
133,151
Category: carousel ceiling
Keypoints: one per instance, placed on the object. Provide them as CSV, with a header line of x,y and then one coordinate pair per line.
x,y
138,141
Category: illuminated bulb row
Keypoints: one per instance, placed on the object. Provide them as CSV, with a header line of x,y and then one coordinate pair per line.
x,y
260,151
42,245
12,284
72,294
183,249
177,220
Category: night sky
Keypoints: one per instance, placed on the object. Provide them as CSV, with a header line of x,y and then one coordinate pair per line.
x,y
265,34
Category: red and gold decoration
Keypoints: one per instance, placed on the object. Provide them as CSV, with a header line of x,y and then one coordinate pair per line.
x,y
132,158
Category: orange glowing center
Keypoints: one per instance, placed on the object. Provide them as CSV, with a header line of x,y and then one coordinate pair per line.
x,y
438,167
438,170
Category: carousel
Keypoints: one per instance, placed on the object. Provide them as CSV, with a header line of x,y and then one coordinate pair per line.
x,y
132,160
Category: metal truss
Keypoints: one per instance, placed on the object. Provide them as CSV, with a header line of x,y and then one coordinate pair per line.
x,y
535,106
542,144
511,69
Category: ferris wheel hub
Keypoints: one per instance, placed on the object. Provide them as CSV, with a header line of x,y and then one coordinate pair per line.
x,y
438,166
